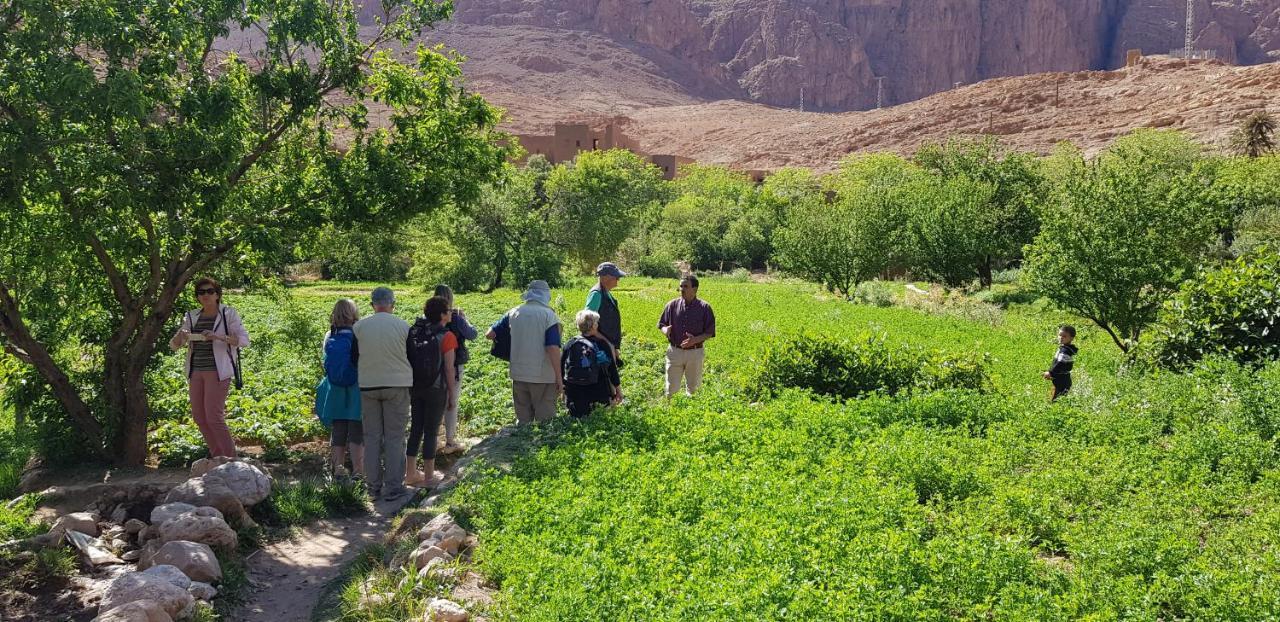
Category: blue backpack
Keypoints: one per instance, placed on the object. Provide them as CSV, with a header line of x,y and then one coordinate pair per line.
x,y
339,359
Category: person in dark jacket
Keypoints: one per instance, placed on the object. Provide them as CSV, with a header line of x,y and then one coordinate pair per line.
x,y
1060,370
600,300
464,332
580,399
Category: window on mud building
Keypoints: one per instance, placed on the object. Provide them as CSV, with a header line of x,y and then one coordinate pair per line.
x,y
577,143
595,144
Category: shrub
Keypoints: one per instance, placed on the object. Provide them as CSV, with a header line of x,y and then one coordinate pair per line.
x,y
1231,311
875,293
849,369
656,266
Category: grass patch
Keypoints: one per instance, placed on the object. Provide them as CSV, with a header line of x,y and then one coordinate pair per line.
x,y
16,518
304,501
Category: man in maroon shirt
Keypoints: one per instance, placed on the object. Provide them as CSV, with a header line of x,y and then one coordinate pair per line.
x,y
687,322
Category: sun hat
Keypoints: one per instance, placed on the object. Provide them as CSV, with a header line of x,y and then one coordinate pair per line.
x,y
609,268
538,291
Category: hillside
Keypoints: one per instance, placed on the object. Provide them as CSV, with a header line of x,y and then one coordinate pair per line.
x,y
1033,112
769,51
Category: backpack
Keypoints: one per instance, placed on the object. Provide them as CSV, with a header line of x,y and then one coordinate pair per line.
x,y
424,354
501,347
339,366
582,362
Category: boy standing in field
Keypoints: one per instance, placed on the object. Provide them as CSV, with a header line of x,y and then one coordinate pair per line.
x,y
1060,370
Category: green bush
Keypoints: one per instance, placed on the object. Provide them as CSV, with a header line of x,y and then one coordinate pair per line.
x,y
656,266
1232,311
849,369
362,254
875,293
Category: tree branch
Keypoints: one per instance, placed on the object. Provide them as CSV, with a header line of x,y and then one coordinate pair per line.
x,y
15,330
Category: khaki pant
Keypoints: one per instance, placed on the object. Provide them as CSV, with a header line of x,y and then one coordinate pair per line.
x,y
535,401
685,364
385,416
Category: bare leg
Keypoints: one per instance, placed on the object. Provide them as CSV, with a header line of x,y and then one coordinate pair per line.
x,y
357,458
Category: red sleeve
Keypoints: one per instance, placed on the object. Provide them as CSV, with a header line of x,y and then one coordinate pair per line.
x,y
450,342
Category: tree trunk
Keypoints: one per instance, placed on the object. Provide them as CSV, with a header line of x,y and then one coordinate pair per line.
x,y
984,273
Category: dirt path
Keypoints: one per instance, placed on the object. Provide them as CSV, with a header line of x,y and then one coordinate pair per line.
x,y
287,578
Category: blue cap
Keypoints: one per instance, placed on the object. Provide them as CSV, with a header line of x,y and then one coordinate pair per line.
x,y
609,268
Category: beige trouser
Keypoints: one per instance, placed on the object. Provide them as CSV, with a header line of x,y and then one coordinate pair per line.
x,y
535,401
685,364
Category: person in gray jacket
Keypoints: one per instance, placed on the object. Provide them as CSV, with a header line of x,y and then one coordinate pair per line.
x,y
534,367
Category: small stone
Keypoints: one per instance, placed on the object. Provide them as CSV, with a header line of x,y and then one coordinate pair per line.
x,y
145,610
131,556
120,514
133,526
202,591
442,523
148,533
119,545
171,574
442,610
84,522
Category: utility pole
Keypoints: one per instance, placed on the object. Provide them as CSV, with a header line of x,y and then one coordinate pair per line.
x,y
1191,13
802,99
879,92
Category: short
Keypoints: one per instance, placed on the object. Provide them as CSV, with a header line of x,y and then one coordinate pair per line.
x,y
1061,385
346,432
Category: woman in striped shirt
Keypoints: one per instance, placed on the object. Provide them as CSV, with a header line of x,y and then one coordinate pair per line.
x,y
212,335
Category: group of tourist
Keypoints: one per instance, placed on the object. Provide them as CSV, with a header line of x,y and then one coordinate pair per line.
x,y
388,386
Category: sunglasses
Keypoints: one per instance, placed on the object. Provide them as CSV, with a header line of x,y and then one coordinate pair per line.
x,y
201,292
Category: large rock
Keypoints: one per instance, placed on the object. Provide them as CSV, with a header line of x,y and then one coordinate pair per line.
x,y
137,586
193,527
248,482
136,611
84,522
169,511
171,574
210,491
427,552
768,50
194,559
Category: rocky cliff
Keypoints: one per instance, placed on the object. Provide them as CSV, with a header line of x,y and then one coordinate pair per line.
x,y
770,51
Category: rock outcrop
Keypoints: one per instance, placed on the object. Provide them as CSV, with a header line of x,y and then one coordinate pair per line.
x,y
769,50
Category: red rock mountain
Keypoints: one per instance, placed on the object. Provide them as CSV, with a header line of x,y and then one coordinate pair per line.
x,y
657,52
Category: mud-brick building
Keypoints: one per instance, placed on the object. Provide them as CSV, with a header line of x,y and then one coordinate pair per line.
x,y
570,139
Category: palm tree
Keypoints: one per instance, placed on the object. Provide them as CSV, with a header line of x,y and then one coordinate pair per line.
x,y
1256,136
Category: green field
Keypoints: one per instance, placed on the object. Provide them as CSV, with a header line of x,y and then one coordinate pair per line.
x,y
1141,497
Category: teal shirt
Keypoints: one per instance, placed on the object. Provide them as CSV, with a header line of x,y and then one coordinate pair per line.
x,y
596,297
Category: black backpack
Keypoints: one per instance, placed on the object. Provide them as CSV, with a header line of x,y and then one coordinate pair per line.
x,y
582,362
424,354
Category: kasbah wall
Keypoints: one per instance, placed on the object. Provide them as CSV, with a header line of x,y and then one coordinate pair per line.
x,y
570,139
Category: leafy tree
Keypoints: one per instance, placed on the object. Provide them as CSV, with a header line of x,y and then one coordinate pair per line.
x,y
1246,195
752,238
596,200
1231,311
856,236
1121,233
137,154
1256,135
951,228
1009,219
695,224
